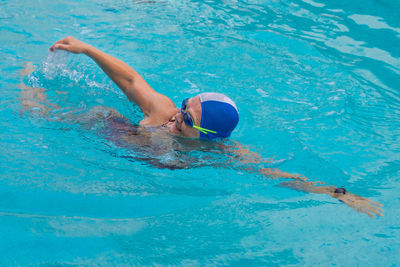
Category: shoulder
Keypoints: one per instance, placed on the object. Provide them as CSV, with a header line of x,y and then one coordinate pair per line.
x,y
162,109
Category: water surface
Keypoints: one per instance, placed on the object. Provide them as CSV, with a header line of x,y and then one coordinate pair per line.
x,y
317,87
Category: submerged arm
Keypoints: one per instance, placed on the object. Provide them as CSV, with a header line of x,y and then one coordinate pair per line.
x,y
34,99
360,204
302,183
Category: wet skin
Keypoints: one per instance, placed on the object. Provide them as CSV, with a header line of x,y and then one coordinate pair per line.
x,y
177,126
159,110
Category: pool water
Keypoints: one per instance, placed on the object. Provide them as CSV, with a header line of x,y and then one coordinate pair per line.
x,y
317,87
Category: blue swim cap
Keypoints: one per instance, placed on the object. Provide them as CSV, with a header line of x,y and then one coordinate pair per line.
x,y
218,113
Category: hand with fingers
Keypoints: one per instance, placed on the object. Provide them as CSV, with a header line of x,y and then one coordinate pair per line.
x,y
360,204
71,44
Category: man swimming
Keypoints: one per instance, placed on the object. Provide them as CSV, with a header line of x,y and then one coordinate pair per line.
x,y
206,116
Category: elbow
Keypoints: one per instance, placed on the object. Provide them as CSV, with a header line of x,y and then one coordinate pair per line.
x,y
129,90
130,80
130,87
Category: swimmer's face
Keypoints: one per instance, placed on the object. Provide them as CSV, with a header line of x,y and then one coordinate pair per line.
x,y
178,127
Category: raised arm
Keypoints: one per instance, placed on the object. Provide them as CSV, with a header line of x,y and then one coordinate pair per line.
x,y
156,107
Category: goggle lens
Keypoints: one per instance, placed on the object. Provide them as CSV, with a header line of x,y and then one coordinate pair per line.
x,y
187,118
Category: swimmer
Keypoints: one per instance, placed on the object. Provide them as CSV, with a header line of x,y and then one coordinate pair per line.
x,y
209,116
206,116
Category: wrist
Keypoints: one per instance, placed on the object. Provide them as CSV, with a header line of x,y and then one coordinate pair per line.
x,y
87,50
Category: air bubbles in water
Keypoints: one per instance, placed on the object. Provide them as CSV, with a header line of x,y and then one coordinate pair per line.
x,y
59,64
56,62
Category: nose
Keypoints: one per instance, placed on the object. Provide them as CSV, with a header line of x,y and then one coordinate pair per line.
x,y
179,117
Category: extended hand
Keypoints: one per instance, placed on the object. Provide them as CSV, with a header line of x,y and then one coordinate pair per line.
x,y
71,44
361,204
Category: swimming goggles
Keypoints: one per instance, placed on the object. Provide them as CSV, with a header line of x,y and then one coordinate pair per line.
x,y
187,118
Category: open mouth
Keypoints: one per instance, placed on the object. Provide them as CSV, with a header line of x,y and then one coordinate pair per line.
x,y
177,126
174,126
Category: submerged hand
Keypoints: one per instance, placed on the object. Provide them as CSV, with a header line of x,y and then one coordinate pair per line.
x,y
70,44
360,204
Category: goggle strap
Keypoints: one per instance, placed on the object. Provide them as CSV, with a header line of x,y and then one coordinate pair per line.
x,y
204,131
183,111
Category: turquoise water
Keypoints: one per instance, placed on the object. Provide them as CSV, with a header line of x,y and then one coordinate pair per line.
x,y
317,87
